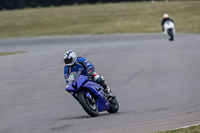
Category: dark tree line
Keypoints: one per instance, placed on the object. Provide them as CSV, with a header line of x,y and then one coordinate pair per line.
x,y
20,4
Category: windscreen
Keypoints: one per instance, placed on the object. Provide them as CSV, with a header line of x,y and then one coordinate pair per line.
x,y
73,77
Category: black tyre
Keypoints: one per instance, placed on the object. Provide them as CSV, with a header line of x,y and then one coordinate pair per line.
x,y
80,2
89,105
69,2
172,38
104,1
114,106
45,3
33,3
115,1
92,1
57,2
21,4
10,4
1,4
170,33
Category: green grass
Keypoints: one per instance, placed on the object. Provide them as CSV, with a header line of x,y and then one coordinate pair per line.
x,y
9,53
111,18
192,129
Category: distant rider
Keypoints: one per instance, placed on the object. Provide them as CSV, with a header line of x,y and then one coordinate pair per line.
x,y
165,18
74,63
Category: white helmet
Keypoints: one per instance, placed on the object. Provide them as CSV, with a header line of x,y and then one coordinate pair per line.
x,y
69,58
165,15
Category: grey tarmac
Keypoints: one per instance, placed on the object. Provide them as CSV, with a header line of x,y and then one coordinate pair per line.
x,y
157,83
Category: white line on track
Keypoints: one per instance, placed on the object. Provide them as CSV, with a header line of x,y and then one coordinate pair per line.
x,y
187,126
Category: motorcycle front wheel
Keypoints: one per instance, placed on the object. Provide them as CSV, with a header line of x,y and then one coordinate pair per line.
x,y
89,105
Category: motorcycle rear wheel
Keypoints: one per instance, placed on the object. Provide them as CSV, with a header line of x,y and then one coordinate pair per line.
x,y
170,33
114,106
89,105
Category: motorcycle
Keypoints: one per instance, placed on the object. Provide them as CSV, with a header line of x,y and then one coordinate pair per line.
x,y
91,95
169,30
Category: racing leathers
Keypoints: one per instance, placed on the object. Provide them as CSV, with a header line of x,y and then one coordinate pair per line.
x,y
86,68
163,22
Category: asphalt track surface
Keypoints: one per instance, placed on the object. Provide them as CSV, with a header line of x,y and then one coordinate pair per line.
x,y
157,83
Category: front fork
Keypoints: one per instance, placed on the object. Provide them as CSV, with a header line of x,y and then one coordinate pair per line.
x,y
88,95
75,95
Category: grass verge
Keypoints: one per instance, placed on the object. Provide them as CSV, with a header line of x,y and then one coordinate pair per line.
x,y
192,129
111,18
9,53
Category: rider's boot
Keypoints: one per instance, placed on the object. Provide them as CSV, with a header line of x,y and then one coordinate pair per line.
x,y
100,80
107,90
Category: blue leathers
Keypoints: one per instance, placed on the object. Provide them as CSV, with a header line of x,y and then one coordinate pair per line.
x,y
81,64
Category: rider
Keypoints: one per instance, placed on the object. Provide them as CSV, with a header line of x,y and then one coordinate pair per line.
x,y
74,63
165,18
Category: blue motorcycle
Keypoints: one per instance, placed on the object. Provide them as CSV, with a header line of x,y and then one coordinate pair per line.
x,y
91,95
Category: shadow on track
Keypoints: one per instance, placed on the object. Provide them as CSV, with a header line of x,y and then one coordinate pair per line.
x,y
87,116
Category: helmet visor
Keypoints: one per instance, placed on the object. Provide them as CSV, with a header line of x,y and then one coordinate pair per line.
x,y
68,61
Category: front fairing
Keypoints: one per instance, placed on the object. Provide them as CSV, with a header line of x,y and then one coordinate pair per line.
x,y
69,88
81,84
81,80
75,81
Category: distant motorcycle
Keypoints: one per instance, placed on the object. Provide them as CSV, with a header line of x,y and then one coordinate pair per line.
x,y
169,30
91,95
